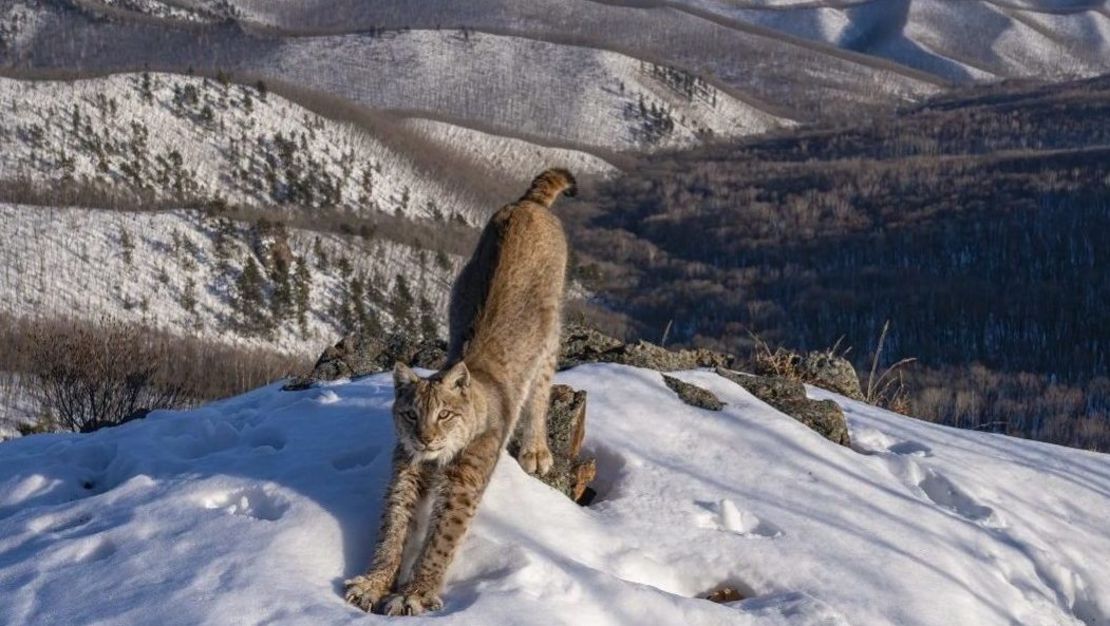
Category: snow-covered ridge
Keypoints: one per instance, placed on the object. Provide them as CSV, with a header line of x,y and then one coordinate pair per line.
x,y
177,270
254,509
569,94
971,39
967,40
202,138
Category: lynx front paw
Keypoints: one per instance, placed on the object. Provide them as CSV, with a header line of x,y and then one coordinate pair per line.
x,y
365,591
412,603
535,459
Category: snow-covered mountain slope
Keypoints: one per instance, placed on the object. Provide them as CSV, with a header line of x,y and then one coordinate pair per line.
x,y
791,78
952,40
565,93
967,40
499,157
181,136
254,509
178,270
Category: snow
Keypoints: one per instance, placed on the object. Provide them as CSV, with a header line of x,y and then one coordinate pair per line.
x,y
968,40
502,156
557,93
254,509
46,271
234,155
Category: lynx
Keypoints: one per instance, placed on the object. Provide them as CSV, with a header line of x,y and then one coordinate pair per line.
x,y
505,316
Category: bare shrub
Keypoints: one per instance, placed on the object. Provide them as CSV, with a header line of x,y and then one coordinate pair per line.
x,y
87,375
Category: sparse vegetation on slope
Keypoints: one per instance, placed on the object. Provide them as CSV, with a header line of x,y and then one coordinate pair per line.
x,y
973,224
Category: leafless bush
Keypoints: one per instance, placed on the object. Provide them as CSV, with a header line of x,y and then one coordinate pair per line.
x,y
87,375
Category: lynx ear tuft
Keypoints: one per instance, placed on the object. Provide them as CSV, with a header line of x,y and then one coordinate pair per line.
x,y
403,375
457,376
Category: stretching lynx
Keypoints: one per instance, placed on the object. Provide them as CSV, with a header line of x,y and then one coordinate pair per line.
x,y
505,317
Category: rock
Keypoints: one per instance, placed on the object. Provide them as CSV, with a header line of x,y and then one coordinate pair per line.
x,y
822,416
571,478
582,344
772,390
566,428
832,372
360,354
693,395
724,594
789,396
566,421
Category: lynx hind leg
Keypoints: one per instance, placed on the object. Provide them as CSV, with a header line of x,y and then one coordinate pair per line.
x,y
534,454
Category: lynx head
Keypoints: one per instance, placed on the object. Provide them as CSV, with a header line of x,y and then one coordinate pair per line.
x,y
434,416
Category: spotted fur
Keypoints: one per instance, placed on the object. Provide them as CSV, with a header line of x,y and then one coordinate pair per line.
x,y
505,317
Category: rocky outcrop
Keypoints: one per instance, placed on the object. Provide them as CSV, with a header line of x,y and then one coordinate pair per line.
x,y
582,344
360,354
789,396
694,395
832,372
566,428
826,369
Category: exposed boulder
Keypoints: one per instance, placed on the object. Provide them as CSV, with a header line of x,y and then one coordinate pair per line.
x,y
824,369
582,344
360,354
789,396
566,421
694,395
566,428
832,372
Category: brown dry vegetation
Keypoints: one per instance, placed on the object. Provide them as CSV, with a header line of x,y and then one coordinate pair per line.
x,y
976,224
85,375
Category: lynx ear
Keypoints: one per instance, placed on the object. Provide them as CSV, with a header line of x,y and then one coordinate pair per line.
x,y
403,375
458,376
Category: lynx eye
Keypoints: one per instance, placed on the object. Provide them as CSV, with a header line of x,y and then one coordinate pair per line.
x,y
443,415
409,416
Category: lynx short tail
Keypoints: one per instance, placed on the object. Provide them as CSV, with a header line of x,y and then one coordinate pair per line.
x,y
547,186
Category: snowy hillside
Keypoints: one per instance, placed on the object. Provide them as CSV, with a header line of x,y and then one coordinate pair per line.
x,y
976,39
254,509
971,39
178,270
180,136
577,51
520,87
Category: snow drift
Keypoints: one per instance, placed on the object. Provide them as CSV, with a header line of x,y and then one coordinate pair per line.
x,y
254,509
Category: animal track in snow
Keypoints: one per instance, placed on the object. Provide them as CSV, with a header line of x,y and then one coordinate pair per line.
x,y
910,448
255,502
96,550
790,607
900,460
726,517
945,494
870,441
266,437
360,457
59,524
210,438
